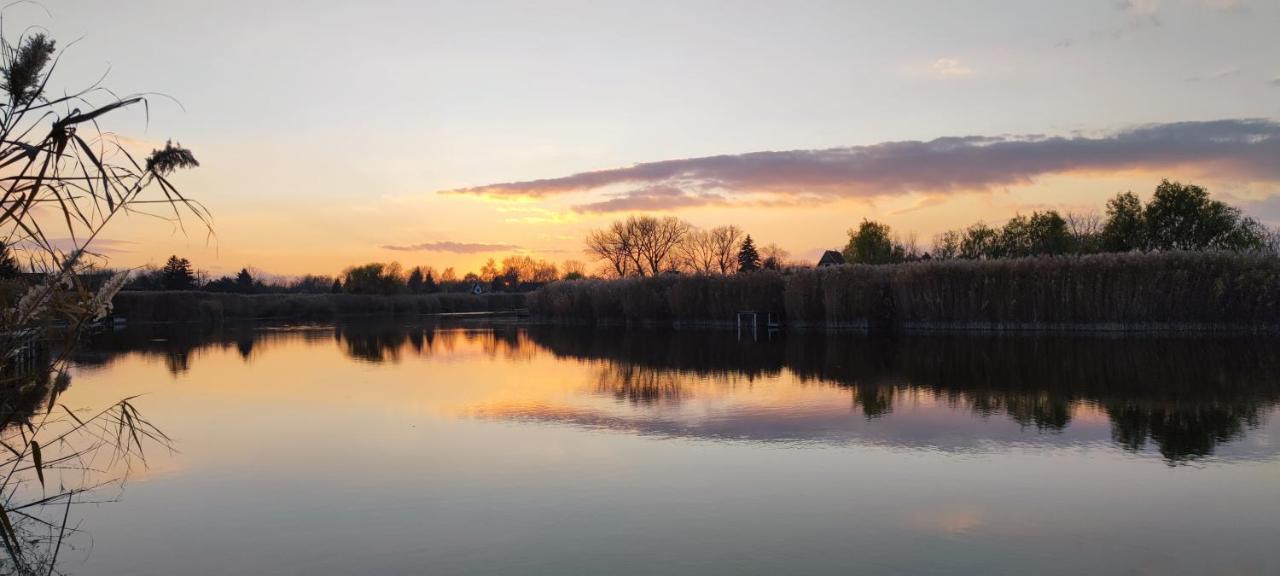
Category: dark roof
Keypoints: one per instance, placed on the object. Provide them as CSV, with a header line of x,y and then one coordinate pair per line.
x,y
830,258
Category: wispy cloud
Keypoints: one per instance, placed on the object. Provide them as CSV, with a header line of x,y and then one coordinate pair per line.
x,y
1274,82
100,246
1218,74
950,68
1241,149
1223,5
454,247
1139,7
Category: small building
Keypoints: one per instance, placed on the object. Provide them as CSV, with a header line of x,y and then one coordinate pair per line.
x,y
830,258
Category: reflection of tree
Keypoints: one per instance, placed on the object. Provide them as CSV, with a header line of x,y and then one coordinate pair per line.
x,y
371,343
1184,395
1181,433
640,384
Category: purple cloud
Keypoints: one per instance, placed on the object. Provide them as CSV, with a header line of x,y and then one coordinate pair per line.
x,y
455,247
1241,148
652,198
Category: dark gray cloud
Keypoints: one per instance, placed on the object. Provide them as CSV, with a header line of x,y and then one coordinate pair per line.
x,y
455,247
1240,149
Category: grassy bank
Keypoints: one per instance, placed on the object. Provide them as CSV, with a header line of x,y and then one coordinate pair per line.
x,y
1169,290
192,306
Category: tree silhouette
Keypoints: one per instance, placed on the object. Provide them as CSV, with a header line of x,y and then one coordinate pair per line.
x,y
177,274
415,282
9,268
429,285
872,244
748,258
244,281
1124,229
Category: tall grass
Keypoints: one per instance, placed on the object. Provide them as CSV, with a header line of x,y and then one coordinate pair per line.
x,y
191,306
1184,290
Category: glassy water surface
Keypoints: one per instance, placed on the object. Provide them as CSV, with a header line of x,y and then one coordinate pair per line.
x,y
501,449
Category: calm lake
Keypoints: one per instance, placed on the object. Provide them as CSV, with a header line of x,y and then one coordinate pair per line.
x,y
502,449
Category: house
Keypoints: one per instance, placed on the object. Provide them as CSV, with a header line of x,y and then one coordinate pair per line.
x,y
830,258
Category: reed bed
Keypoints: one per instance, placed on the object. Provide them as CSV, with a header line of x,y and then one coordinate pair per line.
x,y
1133,291
192,306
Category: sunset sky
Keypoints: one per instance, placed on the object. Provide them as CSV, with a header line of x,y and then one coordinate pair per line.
x,y
446,133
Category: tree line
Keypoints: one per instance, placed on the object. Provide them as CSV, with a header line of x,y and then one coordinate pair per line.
x,y
1177,217
517,273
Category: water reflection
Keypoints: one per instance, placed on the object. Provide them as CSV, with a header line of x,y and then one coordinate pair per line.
x,y
1184,398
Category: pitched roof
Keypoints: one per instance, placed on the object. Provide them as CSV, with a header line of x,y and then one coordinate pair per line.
x,y
830,258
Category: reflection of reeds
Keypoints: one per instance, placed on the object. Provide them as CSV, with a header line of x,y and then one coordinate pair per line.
x,y
215,307
54,460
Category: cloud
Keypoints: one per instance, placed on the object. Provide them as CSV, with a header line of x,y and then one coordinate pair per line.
x,y
1219,74
455,247
1274,82
652,198
1223,5
1241,149
1139,7
949,68
99,246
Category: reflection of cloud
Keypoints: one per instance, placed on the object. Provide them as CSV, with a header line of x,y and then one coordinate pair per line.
x,y
947,521
1240,149
455,247
913,426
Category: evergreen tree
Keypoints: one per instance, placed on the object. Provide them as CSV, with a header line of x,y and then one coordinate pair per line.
x,y
8,264
244,281
177,274
429,285
748,258
415,282
337,286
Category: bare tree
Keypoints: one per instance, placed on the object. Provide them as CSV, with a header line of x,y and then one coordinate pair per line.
x,y
573,269
773,257
698,252
726,240
614,245
640,246
1085,230
656,241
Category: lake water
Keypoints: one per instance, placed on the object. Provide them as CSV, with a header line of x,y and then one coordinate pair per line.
x,y
502,449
